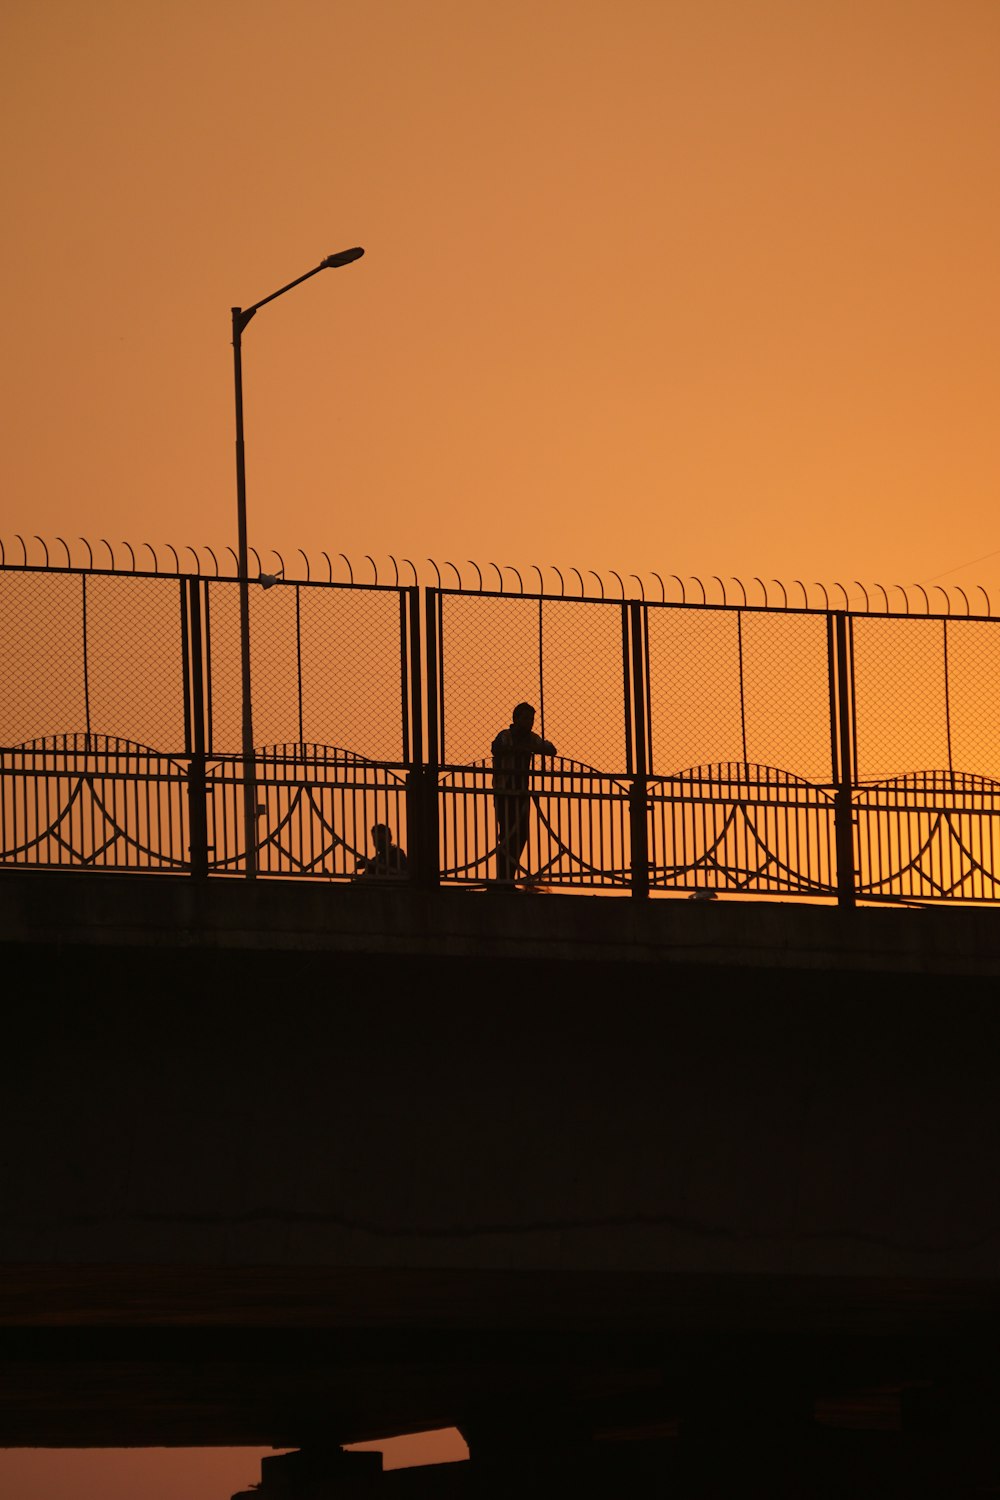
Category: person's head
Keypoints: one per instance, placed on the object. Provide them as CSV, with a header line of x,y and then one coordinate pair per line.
x,y
523,716
381,835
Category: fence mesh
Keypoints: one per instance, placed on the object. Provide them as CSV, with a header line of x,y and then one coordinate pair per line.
x,y
222,614
787,693
732,686
563,656
489,661
974,695
584,693
135,661
694,670
900,703
274,670
325,667
41,648
352,671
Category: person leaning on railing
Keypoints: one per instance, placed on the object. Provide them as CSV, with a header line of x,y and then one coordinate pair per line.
x,y
514,750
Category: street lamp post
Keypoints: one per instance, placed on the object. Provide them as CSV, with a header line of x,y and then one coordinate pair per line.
x,y
241,317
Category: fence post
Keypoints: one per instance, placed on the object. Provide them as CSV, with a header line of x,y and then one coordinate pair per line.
x,y
842,679
422,782
197,791
638,804
195,718
422,821
638,798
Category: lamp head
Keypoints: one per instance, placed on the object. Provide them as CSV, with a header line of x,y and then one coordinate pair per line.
x,y
268,580
343,257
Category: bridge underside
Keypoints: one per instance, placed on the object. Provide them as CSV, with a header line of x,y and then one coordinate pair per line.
x,y
101,1356
301,1167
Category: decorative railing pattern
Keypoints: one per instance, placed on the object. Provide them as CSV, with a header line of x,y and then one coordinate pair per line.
x,y
577,824
80,801
707,748
316,809
931,836
741,828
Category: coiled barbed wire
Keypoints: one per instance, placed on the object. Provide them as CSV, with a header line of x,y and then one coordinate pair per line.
x,y
690,590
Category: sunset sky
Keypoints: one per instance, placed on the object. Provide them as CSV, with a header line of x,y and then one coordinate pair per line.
x,y
695,286
700,286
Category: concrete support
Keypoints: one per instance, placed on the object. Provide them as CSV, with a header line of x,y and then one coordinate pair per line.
x,y
321,1473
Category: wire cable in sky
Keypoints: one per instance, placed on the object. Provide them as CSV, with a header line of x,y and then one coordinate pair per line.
x,y
960,566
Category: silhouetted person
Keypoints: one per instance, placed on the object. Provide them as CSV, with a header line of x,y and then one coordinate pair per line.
x,y
388,862
514,749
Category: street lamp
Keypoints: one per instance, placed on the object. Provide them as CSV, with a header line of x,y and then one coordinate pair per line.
x,y
241,317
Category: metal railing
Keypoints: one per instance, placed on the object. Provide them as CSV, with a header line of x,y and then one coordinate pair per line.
x,y
706,749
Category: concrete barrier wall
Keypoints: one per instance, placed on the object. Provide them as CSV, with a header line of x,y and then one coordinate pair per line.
x,y
531,1083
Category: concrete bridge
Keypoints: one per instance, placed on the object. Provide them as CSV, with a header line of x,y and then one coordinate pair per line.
x,y
645,1192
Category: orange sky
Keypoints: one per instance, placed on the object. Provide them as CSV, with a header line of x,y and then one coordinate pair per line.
x,y
700,286
697,286
176,1473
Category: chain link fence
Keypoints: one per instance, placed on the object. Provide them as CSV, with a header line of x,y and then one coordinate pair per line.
x,y
42,651
114,680
901,706
927,696
972,650
729,685
135,663
701,749
562,656
327,666
91,653
353,664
